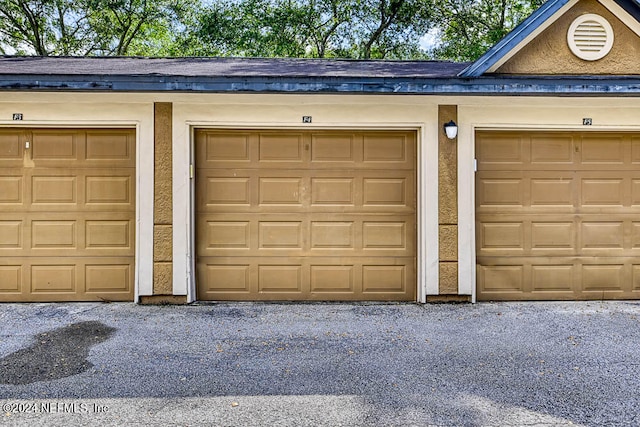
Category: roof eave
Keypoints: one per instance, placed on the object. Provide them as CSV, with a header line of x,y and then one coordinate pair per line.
x,y
490,85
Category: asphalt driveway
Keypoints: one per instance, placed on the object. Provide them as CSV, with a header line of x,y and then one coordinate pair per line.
x,y
243,364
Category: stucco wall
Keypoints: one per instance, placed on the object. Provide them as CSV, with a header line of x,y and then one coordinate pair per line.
x,y
549,53
163,201
100,110
328,111
448,204
237,111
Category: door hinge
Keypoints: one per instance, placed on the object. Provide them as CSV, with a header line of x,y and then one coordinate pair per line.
x,y
475,165
191,171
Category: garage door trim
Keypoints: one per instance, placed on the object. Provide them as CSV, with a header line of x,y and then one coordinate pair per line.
x,y
426,194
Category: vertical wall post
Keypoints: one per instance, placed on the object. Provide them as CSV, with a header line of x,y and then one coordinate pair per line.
x,y
162,205
448,205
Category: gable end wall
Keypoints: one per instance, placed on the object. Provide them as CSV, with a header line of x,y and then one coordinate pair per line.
x,y
549,53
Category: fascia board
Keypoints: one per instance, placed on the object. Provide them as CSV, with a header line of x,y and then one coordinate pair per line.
x,y
623,14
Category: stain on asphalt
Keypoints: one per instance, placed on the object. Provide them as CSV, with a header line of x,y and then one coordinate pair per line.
x,y
56,354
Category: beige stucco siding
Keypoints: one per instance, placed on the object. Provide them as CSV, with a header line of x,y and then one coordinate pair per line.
x,y
477,113
327,112
549,53
258,111
58,110
163,206
447,204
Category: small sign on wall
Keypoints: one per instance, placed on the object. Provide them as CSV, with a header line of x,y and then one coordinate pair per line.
x,y
17,116
587,121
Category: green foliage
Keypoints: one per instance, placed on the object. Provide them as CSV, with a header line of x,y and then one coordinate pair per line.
x,y
468,28
87,27
362,29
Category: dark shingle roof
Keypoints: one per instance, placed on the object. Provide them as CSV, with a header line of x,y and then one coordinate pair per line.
x,y
259,75
225,67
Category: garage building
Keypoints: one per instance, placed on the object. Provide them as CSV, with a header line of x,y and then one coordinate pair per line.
x,y
184,179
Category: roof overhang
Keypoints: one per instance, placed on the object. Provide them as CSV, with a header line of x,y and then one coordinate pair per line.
x,y
488,86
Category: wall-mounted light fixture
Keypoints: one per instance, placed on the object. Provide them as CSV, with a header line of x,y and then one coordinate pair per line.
x,y
451,129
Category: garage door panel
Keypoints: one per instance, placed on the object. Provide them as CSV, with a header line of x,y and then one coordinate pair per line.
x,y
501,278
333,191
500,151
387,191
338,147
635,278
47,189
116,276
11,148
333,235
224,278
53,278
602,235
551,149
114,147
71,149
56,279
54,146
11,190
319,278
55,235
635,150
232,148
10,280
552,236
225,191
225,234
604,149
555,234
499,191
603,277
269,232
635,234
603,192
281,191
51,190
296,190
281,147
384,278
114,234
285,278
506,236
332,279
112,189
524,151
11,233
66,235
278,234
559,277
388,149
552,191
552,278
67,216
573,233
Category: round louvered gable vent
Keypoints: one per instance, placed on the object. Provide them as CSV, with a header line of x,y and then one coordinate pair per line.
x,y
590,37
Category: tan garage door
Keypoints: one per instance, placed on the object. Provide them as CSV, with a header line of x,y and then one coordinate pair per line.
x,y
284,215
67,214
558,215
